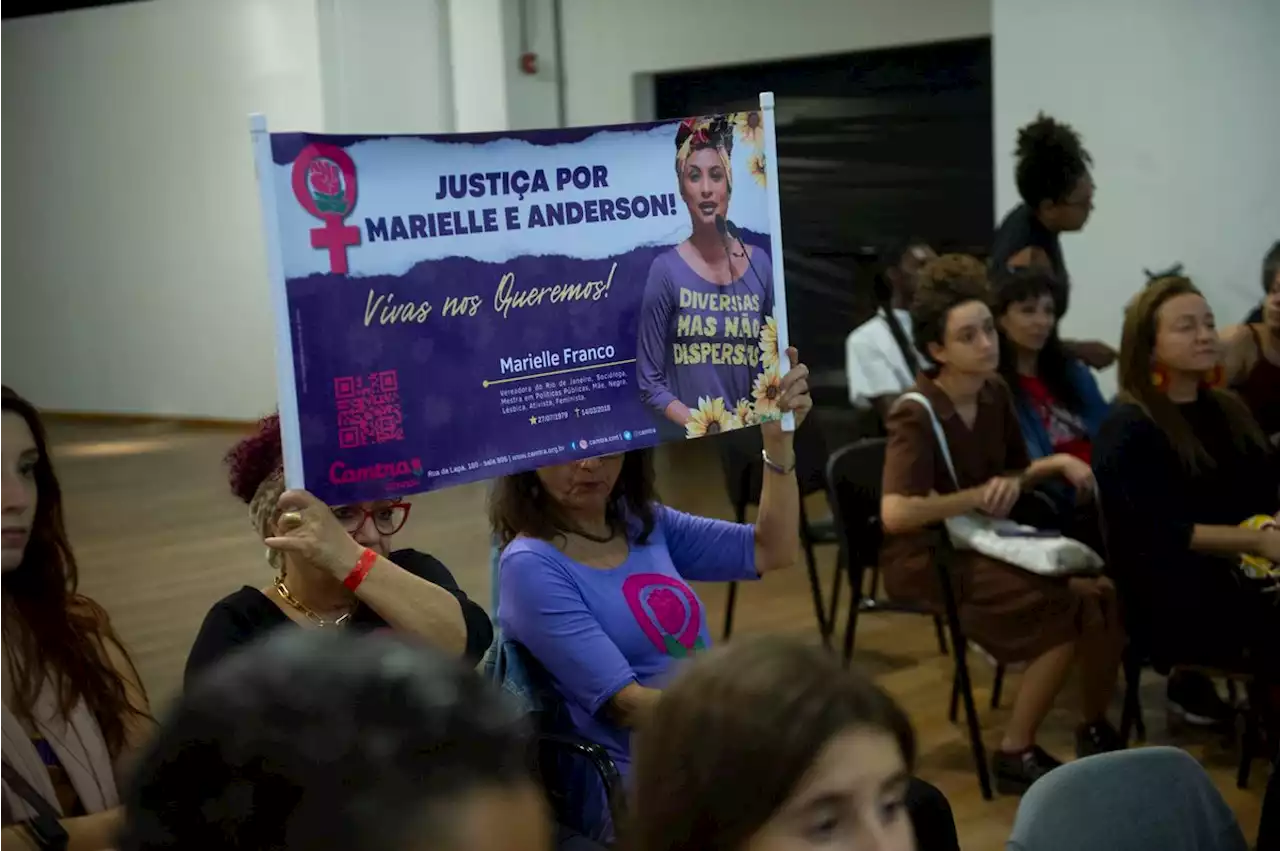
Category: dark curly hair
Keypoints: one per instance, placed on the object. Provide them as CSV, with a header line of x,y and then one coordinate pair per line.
x,y
1051,160
251,461
1053,363
945,283
519,505
736,733
325,741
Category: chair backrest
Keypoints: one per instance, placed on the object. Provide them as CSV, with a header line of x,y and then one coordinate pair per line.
x,y
1130,800
854,486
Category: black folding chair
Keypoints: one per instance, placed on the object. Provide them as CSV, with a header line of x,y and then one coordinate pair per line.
x,y
854,473
744,477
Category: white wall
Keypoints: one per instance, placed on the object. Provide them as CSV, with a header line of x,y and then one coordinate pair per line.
x,y
134,273
1176,100
385,66
609,42
479,64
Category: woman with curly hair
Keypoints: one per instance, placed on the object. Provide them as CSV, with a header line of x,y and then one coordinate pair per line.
x,y
334,568
74,707
707,300
1056,187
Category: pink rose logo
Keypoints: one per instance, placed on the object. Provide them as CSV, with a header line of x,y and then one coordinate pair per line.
x,y
667,611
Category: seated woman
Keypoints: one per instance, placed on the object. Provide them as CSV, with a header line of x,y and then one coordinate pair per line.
x,y
334,568
1016,615
1253,354
769,744
74,707
1180,465
594,575
1055,395
316,741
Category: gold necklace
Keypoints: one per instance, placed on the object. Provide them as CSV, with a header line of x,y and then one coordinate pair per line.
x,y
297,604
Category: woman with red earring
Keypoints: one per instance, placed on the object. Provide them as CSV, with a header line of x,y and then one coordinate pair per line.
x,y
1181,464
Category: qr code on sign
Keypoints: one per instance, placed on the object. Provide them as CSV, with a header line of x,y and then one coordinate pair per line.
x,y
368,409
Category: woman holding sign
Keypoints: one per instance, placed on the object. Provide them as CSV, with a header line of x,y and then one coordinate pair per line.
x,y
707,353
594,577
334,569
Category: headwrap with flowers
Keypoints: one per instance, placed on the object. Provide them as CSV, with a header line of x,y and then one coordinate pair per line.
x,y
695,134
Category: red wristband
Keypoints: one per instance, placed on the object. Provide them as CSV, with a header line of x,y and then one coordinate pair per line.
x,y
361,570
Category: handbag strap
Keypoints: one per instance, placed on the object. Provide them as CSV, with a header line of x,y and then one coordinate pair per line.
x,y
900,337
920,399
24,790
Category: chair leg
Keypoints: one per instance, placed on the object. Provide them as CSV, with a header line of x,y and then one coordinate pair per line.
x,y
855,606
962,682
953,711
997,687
834,608
1131,715
942,636
728,610
875,582
1252,726
815,583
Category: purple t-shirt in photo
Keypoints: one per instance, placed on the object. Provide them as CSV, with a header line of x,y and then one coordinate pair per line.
x,y
698,338
597,630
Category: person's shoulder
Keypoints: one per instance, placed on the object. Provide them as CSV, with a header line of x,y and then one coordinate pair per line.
x,y
420,564
1013,228
526,553
242,605
870,335
1126,422
758,255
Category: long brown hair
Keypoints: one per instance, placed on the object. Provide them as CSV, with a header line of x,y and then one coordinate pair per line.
x,y
736,732
51,631
1137,349
520,505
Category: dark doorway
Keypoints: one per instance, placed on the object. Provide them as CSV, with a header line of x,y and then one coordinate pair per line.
x,y
873,147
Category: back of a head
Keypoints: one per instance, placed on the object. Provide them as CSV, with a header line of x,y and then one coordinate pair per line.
x,y
735,734
316,740
1050,160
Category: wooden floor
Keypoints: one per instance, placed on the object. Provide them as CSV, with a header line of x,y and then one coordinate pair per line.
x,y
159,538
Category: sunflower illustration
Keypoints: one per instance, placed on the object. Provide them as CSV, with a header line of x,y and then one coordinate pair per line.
x,y
744,413
767,391
769,344
710,417
750,126
755,164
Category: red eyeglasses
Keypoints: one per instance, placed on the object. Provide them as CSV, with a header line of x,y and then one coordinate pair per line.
x,y
388,518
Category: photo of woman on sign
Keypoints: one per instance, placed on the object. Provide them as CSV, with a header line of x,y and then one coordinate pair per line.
x,y
707,358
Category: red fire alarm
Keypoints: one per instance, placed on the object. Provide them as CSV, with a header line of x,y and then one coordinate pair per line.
x,y
529,63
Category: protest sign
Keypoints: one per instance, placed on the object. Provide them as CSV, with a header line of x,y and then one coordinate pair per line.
x,y
454,308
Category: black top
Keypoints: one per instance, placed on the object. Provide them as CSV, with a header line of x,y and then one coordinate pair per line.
x,y
246,615
1184,606
1021,229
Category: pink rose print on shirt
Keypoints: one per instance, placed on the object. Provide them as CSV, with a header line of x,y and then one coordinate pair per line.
x,y
667,611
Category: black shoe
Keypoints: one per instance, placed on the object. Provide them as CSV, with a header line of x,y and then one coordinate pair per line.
x,y
1015,772
1098,737
1193,698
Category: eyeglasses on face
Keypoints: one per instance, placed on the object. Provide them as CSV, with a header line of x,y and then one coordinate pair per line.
x,y
388,517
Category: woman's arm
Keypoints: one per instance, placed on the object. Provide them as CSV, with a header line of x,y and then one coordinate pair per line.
x,y
900,513
411,604
910,503
477,623
406,602
777,530
633,705
1239,352
651,351
1236,540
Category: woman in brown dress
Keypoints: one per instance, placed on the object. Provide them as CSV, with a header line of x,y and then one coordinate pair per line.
x,y
1015,615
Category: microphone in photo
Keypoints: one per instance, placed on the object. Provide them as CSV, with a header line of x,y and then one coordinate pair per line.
x,y
731,232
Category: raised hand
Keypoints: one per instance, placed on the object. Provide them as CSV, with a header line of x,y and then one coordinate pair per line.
x,y
307,528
